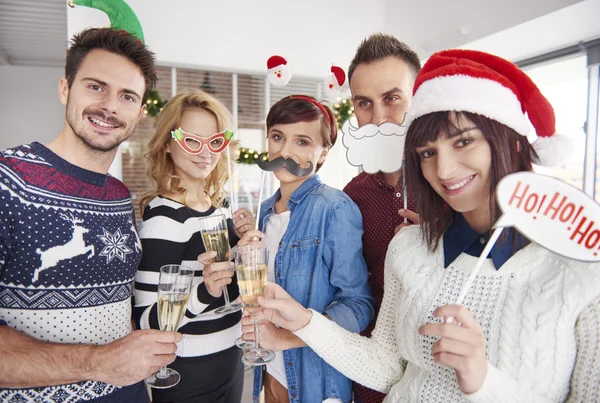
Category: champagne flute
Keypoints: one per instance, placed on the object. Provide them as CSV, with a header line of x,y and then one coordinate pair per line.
x,y
216,239
174,285
251,267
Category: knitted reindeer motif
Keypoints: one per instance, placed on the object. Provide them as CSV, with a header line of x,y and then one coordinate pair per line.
x,y
75,247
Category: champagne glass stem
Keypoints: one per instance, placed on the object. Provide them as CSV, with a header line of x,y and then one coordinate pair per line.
x,y
226,295
256,335
163,372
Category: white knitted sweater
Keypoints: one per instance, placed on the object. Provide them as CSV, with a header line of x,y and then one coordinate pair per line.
x,y
540,315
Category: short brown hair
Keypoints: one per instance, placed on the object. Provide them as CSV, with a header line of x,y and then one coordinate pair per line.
x,y
117,42
378,47
510,153
293,110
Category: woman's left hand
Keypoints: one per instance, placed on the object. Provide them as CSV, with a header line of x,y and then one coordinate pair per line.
x,y
461,346
243,221
271,337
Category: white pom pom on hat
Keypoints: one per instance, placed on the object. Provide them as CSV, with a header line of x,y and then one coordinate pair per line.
x,y
481,83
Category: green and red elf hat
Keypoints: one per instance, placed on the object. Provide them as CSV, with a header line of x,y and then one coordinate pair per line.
x,y
120,14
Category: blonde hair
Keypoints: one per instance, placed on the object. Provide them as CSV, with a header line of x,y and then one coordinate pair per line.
x,y
161,169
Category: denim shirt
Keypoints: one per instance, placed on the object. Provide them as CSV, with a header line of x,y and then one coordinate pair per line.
x,y
320,263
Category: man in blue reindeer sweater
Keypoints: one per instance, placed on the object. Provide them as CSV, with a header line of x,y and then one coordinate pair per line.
x,y
68,243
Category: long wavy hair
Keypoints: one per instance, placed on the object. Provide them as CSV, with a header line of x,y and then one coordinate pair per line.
x,y
160,167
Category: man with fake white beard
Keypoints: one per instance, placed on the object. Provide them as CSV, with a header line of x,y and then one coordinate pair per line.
x,y
381,77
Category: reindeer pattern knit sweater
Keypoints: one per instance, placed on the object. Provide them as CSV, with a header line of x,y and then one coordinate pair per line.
x,y
540,315
69,251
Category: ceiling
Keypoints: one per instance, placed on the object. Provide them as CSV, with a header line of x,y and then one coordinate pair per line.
x,y
33,32
561,29
431,25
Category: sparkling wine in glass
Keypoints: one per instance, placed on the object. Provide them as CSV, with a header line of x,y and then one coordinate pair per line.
x,y
251,268
173,293
216,239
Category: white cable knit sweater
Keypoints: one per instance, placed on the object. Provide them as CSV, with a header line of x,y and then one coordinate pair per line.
x,y
540,314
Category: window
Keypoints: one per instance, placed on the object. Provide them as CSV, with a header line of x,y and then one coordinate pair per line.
x,y
565,84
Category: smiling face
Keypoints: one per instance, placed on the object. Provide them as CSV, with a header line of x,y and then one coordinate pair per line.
x,y
104,102
382,91
457,165
194,168
300,141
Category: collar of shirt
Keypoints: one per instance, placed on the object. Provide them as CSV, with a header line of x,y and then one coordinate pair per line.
x,y
296,197
460,238
380,180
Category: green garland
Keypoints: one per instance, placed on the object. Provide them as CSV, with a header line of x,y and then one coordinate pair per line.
x,y
343,110
250,156
154,105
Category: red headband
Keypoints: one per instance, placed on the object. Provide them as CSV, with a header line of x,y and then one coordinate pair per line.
x,y
317,104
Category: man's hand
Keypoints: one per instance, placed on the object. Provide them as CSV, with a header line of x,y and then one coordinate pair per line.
x,y
243,221
216,275
134,357
409,215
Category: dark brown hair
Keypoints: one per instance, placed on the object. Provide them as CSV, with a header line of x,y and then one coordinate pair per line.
x,y
378,47
510,153
293,110
117,42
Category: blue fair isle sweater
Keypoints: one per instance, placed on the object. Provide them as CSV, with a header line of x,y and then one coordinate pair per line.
x,y
69,251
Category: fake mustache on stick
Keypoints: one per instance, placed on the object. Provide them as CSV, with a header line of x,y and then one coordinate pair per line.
x,y
292,166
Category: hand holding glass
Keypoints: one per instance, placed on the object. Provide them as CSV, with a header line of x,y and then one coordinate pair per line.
x,y
173,293
216,239
251,268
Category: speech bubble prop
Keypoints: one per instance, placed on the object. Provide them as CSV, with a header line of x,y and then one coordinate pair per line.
x,y
556,215
549,212
374,148
478,265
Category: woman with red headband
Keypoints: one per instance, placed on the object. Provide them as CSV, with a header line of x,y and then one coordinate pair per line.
x,y
529,327
314,235
187,165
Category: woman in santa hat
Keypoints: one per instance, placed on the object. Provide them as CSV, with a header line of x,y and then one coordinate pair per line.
x,y
529,329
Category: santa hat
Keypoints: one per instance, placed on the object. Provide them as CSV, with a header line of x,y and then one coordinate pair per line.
x,y
275,61
339,74
477,82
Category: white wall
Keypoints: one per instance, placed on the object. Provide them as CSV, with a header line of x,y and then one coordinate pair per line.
x,y
29,106
242,35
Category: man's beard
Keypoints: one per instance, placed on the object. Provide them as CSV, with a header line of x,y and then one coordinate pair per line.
x,y
88,140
